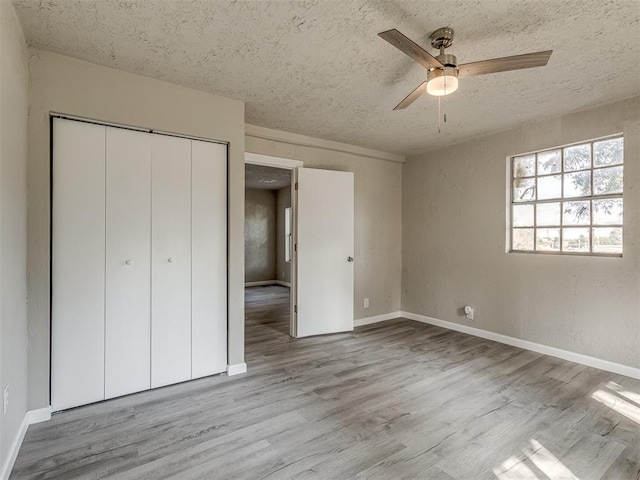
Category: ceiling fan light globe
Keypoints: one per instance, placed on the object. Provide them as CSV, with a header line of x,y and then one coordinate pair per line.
x,y
441,82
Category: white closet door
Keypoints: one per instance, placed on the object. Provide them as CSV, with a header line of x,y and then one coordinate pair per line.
x,y
170,260
209,258
128,257
78,270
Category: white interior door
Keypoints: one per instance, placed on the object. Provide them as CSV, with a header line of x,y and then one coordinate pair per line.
x,y
209,258
170,260
78,270
325,229
128,258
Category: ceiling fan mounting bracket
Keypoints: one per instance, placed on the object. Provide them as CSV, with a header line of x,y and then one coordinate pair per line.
x,y
442,38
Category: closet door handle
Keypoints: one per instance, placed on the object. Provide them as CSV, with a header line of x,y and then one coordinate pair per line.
x,y
171,260
128,262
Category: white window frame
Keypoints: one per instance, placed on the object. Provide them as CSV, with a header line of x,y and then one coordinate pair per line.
x,y
512,203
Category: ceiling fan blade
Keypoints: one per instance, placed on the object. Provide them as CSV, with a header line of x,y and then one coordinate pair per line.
x,y
408,46
412,97
504,64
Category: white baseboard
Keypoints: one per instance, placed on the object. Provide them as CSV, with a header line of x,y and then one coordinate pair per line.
x,y
39,415
263,283
236,369
260,283
527,345
31,417
378,318
14,448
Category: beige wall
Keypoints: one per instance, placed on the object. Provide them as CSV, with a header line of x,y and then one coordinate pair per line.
x,y
454,229
378,213
65,85
259,235
13,225
283,268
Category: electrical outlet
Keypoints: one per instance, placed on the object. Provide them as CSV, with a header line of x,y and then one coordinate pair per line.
x,y
366,303
5,399
468,311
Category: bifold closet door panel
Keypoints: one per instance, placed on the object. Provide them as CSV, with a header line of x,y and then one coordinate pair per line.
x,y
209,258
170,260
128,259
78,269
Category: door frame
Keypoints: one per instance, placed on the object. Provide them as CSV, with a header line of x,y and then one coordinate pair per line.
x,y
292,165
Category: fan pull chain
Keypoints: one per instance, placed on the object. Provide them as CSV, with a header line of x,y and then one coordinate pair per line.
x,y
441,116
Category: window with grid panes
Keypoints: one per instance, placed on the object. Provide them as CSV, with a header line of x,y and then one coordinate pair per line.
x,y
569,200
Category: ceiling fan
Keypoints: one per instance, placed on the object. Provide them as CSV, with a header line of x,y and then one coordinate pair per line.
x,y
443,71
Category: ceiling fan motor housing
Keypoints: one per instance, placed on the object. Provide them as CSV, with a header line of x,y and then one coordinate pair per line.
x,y
448,60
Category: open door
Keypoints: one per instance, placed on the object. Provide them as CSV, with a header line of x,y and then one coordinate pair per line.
x,y
324,247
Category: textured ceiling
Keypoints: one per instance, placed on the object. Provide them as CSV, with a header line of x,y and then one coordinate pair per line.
x,y
266,178
318,68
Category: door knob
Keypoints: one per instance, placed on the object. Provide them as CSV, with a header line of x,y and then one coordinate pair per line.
x,y
349,259
129,262
171,260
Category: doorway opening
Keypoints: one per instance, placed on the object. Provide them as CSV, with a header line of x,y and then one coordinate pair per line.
x,y
320,240
268,243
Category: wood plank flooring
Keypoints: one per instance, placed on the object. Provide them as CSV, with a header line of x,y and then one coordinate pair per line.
x,y
393,400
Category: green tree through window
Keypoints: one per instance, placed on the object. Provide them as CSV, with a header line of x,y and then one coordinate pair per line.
x,y
584,184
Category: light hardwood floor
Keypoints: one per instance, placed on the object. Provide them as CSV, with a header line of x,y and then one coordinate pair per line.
x,y
393,400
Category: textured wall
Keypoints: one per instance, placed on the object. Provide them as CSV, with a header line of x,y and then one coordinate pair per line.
x,y
454,229
66,85
378,216
13,225
283,269
259,235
